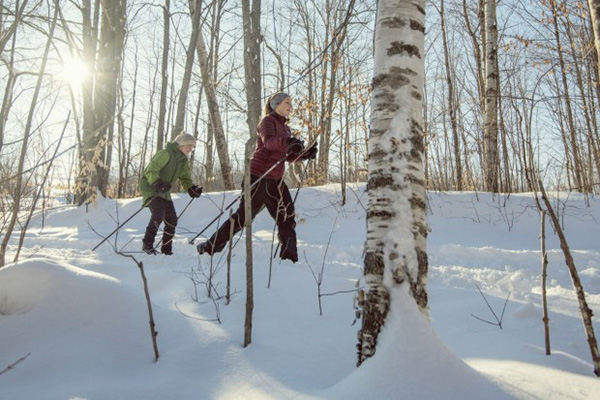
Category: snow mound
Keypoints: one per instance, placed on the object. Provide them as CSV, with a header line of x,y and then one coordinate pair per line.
x,y
46,284
83,321
408,350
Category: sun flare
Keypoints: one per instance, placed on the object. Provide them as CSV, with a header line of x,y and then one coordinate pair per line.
x,y
74,71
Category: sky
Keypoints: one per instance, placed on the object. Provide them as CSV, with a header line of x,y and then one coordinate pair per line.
x,y
74,322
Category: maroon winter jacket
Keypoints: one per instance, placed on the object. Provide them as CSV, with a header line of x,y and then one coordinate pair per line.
x,y
271,146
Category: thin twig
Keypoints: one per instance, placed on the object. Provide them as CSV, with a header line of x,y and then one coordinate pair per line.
x,y
499,320
340,292
483,320
13,365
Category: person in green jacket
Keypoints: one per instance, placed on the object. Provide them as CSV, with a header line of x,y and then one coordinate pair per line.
x,y
164,169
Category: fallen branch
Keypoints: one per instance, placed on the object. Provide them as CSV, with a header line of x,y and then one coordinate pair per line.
x,y
498,320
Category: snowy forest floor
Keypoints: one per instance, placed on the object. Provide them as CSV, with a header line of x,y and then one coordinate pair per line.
x,y
79,318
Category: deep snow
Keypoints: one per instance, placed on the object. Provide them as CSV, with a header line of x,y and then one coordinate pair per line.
x,y
80,317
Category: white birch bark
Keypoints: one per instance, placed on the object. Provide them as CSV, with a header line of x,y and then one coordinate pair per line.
x,y
395,253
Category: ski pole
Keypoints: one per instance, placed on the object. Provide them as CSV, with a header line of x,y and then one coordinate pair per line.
x,y
186,206
179,216
191,241
119,227
293,201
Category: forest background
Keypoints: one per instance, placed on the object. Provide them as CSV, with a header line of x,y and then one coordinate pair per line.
x,y
91,89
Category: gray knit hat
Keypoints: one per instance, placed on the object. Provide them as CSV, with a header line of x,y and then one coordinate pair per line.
x,y
277,99
184,138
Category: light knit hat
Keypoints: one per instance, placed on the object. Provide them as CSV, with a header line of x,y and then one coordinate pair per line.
x,y
277,99
185,138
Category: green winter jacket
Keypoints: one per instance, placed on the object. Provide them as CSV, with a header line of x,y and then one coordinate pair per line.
x,y
169,165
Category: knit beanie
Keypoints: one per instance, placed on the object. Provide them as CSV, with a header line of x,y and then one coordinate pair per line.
x,y
185,138
277,99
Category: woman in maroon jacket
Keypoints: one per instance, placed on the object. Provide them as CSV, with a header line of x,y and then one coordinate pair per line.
x,y
273,143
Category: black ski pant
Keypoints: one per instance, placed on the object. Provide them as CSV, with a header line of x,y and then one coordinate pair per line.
x,y
162,210
275,196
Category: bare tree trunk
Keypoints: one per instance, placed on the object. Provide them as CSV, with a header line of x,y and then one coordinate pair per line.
x,y
491,99
248,227
577,163
39,192
187,72
545,318
586,312
252,60
164,76
126,139
110,56
593,156
451,103
88,175
6,35
395,253
9,33
214,114
594,6
479,59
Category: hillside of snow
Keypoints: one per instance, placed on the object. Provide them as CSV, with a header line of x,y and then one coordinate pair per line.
x,y
74,322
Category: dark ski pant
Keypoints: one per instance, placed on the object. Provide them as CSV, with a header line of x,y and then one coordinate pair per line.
x,y
275,196
162,210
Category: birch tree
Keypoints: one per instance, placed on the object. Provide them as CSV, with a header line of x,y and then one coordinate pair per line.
x,y
395,253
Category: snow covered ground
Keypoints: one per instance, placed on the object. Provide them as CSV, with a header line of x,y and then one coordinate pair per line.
x,y
79,318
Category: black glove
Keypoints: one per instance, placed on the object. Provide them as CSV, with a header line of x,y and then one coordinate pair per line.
x,y
161,186
294,146
195,191
311,153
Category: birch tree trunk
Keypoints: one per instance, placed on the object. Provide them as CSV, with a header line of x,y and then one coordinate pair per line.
x,y
491,163
395,253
